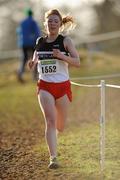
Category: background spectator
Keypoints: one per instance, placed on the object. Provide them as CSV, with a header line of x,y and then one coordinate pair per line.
x,y
27,33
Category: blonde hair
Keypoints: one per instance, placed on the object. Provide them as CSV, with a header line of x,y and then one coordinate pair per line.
x,y
67,21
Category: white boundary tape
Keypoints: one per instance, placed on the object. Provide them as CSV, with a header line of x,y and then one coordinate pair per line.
x,y
113,86
85,85
98,85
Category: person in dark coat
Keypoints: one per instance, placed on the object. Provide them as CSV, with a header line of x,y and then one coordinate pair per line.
x,y
27,33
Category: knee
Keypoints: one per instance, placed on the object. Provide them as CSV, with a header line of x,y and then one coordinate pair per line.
x,y
50,123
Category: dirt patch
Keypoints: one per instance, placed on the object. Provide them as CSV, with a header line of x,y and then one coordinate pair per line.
x,y
17,159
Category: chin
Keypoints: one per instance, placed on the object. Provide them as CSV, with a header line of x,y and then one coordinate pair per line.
x,y
53,33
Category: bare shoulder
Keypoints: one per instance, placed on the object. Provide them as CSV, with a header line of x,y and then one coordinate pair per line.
x,y
68,40
70,47
68,43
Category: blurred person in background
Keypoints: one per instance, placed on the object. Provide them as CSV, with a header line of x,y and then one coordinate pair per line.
x,y
53,54
27,33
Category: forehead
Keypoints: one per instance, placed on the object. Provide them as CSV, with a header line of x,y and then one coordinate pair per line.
x,y
54,17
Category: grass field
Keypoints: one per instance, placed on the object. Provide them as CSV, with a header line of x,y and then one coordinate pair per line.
x,y
23,151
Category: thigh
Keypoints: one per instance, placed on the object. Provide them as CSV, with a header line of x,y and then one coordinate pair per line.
x,y
47,104
62,105
25,54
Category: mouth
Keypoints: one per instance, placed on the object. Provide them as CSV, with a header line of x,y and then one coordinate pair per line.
x,y
53,28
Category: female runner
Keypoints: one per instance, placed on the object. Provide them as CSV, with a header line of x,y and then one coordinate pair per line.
x,y
53,54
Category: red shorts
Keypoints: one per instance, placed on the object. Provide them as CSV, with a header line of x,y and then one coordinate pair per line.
x,y
56,89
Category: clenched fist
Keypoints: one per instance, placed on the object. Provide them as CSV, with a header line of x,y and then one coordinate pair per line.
x,y
31,64
58,54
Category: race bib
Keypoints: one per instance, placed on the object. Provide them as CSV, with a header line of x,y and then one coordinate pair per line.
x,y
48,66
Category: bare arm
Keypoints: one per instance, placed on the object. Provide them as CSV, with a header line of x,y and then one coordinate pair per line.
x,y
73,59
34,60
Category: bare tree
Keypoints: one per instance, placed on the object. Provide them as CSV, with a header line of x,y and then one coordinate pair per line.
x,y
109,19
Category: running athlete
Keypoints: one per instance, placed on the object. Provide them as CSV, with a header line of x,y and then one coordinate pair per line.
x,y
53,54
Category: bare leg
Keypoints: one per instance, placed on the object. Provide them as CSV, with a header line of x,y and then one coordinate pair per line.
x,y
47,104
62,105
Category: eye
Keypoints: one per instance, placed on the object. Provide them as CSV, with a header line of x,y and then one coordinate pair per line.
x,y
50,21
56,21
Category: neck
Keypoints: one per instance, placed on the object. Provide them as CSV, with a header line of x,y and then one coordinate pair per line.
x,y
52,37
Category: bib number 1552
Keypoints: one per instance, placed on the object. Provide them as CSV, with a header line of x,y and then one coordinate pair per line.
x,y
48,69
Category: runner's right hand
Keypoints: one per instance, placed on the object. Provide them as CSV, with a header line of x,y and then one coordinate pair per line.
x,y
31,64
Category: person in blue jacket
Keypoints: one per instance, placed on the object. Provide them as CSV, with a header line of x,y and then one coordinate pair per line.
x,y
27,33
